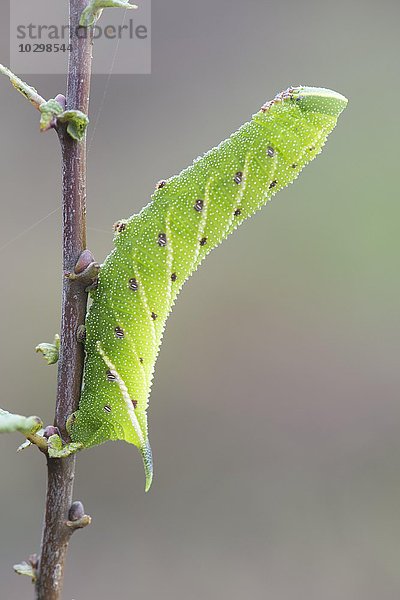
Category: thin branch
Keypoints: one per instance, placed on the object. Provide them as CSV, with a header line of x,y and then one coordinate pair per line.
x,y
56,532
23,88
38,441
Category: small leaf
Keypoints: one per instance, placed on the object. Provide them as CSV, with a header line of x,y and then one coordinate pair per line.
x,y
77,123
10,423
50,352
25,568
57,450
49,111
93,11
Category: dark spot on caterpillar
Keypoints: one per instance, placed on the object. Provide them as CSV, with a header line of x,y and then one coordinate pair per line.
x,y
111,376
107,408
237,212
133,284
119,333
154,316
134,402
294,165
270,151
273,184
141,360
119,226
174,277
238,177
162,239
203,241
198,205
161,184
311,148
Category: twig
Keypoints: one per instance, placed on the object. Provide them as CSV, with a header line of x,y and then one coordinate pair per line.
x,y
56,532
38,441
23,88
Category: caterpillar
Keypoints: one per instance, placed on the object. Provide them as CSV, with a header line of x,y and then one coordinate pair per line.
x,y
159,248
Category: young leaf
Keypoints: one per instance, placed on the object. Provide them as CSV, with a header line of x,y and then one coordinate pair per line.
x,y
56,449
50,352
27,569
77,123
93,11
158,249
49,112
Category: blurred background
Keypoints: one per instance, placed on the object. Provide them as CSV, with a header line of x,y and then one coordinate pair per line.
x,y
275,413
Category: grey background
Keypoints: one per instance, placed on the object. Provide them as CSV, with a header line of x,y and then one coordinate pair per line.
x,y
275,412
128,55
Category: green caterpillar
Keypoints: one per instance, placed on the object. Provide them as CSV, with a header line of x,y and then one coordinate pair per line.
x,y
158,249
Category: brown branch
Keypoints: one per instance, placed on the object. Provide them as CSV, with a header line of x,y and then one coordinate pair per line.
x,y
56,532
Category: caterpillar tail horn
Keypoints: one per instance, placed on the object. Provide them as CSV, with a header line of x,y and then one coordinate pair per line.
x,y
147,457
